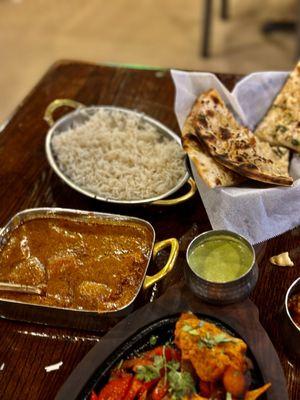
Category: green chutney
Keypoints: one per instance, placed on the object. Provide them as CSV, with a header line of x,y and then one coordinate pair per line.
x,y
220,258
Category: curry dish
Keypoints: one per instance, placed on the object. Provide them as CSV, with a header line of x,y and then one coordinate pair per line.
x,y
203,363
87,264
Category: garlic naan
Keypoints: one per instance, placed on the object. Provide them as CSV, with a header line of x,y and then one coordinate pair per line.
x,y
235,146
281,124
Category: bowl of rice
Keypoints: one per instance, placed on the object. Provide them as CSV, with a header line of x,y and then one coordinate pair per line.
x,y
116,155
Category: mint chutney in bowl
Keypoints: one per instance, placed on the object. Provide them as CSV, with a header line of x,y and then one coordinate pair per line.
x,y
221,267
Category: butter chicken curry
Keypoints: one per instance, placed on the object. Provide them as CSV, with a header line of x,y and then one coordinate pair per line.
x,y
86,264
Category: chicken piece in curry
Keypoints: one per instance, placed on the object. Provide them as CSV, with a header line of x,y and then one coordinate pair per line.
x,y
88,264
203,363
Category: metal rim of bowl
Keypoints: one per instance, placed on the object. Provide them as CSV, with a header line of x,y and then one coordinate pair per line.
x,y
287,296
229,233
160,127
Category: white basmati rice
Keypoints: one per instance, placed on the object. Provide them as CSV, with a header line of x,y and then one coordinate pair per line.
x,y
119,156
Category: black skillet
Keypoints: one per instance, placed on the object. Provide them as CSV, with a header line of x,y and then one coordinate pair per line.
x,y
132,336
163,329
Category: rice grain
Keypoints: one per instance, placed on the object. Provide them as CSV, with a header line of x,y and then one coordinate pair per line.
x,y
119,156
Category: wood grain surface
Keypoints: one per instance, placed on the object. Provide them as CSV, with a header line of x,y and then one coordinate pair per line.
x,y
26,180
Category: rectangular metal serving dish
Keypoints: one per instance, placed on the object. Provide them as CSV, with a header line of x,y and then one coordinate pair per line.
x,y
74,318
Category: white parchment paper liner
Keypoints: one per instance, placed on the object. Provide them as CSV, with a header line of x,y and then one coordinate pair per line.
x,y
256,213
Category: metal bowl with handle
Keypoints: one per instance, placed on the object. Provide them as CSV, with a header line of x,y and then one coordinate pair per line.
x,y
80,115
71,317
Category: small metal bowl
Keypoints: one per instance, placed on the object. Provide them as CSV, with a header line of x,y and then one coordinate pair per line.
x,y
79,116
291,331
217,292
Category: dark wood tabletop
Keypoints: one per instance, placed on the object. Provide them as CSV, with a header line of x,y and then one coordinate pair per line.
x,y
27,181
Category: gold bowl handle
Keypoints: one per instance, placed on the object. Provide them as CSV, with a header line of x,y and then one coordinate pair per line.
x,y
48,116
181,199
150,280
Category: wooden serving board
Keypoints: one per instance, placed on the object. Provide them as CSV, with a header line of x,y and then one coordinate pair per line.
x,y
243,318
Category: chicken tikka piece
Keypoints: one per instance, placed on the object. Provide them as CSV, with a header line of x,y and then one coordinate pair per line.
x,y
210,350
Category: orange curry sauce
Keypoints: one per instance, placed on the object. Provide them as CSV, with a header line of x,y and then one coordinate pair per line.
x,y
84,264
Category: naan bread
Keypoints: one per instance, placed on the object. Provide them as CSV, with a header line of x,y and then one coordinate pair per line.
x,y
235,146
280,155
281,124
212,173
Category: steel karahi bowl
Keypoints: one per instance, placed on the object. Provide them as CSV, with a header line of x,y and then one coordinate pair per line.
x,y
80,115
221,293
291,331
81,318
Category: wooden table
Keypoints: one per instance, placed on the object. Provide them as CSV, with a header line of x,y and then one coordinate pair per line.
x,y
26,180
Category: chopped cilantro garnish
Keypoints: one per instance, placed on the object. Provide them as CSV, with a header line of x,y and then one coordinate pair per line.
x,y
281,128
208,340
192,331
149,372
173,365
153,340
180,384
146,373
158,362
222,338
295,142
186,328
189,329
211,341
